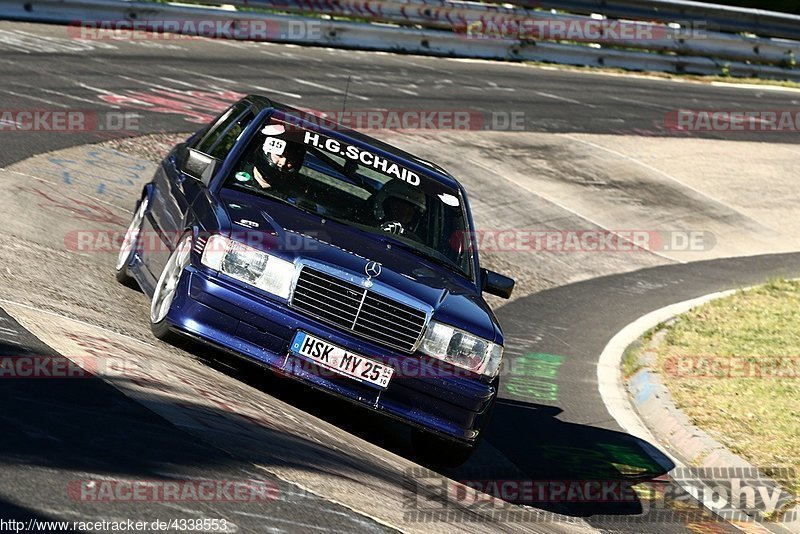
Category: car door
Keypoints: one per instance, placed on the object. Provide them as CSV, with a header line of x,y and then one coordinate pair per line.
x,y
177,185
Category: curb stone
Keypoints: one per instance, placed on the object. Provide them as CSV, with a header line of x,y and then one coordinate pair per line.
x,y
653,403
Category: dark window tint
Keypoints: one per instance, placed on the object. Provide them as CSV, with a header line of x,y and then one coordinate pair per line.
x,y
219,130
229,137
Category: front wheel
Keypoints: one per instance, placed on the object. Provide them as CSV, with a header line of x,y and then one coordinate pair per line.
x,y
129,244
167,285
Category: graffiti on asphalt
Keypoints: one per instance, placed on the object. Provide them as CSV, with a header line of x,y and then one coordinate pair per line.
x,y
197,107
85,210
102,171
532,377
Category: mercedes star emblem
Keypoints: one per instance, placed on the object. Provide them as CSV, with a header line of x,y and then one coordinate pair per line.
x,y
373,269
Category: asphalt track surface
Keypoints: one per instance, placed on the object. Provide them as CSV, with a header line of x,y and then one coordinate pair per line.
x,y
551,428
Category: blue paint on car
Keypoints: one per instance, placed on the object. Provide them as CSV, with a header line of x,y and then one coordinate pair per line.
x,y
334,265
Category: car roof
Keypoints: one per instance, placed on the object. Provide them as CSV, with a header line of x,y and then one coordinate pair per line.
x,y
429,168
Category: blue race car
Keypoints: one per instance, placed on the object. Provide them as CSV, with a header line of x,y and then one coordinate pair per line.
x,y
329,257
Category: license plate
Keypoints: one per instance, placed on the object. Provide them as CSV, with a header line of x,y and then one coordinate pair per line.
x,y
341,360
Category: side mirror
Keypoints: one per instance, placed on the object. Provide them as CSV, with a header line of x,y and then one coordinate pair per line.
x,y
497,284
199,166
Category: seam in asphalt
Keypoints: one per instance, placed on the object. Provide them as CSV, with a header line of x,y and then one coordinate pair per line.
x,y
644,408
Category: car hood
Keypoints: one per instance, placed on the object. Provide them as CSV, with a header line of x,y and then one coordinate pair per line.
x,y
292,233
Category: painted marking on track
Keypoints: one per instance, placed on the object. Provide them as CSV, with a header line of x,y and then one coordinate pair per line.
x,y
628,460
297,57
73,97
233,44
229,83
42,180
90,87
178,82
330,89
126,174
28,43
757,87
9,122
35,98
390,86
198,107
79,209
533,377
564,99
255,87
628,100
405,62
8,332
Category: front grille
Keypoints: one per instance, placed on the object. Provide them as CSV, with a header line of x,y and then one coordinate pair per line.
x,y
358,310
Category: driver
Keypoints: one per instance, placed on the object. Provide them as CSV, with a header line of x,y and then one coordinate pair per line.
x,y
279,166
399,208
277,161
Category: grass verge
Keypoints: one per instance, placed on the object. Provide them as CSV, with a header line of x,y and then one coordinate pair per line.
x,y
732,367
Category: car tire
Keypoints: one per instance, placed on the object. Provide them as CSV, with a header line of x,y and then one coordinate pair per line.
x,y
129,246
164,292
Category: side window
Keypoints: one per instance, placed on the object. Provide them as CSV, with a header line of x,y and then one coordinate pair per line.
x,y
209,140
229,137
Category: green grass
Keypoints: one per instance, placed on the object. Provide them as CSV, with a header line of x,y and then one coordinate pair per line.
x,y
755,417
632,357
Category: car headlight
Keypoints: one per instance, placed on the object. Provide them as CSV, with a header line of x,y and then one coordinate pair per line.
x,y
462,349
247,264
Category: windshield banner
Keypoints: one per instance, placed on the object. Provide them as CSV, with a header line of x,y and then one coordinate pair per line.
x,y
364,157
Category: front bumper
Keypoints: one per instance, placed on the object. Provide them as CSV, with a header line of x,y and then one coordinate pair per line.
x,y
220,311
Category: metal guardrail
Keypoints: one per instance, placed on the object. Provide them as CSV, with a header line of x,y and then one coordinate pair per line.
x,y
488,20
717,17
385,37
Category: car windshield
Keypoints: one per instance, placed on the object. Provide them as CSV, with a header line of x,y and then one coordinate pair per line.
x,y
352,185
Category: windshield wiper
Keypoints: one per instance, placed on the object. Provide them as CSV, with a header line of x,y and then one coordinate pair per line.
x,y
433,259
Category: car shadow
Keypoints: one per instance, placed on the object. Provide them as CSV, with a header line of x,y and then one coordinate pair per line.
x,y
524,442
96,429
545,449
